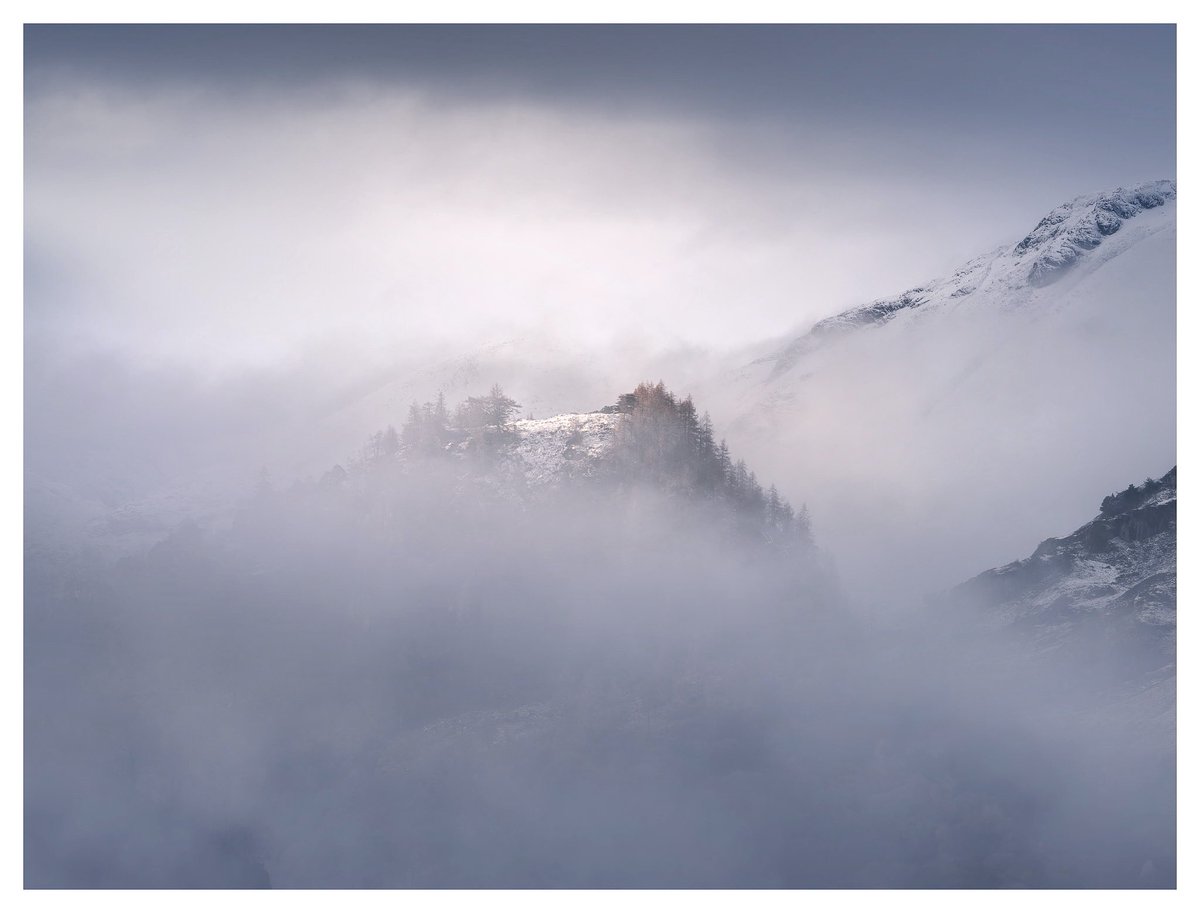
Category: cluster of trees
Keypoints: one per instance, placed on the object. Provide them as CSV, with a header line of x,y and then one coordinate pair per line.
x,y
1120,502
427,430
482,423
661,440
665,441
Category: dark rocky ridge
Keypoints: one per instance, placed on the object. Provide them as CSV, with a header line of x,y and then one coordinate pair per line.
x,y
1113,579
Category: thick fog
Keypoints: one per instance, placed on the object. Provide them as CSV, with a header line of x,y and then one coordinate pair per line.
x,y
246,667
405,677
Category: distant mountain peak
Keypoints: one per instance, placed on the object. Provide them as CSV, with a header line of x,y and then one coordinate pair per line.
x,y
1044,256
1073,228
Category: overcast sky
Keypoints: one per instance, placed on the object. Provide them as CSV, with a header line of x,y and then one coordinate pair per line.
x,y
224,196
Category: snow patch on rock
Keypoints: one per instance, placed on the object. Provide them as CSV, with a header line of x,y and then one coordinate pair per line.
x,y
563,446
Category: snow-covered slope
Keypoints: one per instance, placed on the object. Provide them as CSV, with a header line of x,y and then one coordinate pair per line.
x,y
1070,235
571,445
1119,568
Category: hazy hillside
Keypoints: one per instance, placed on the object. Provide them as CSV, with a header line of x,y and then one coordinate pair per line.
x,y
929,433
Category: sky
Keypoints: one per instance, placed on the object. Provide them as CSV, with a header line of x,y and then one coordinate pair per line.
x,y
234,197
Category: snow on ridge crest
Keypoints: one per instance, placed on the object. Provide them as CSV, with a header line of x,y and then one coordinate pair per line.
x,y
1081,225
1042,257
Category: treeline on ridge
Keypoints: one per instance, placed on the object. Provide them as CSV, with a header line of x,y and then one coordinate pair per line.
x,y
660,440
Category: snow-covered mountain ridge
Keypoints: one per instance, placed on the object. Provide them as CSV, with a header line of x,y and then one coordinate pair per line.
x,y
1044,256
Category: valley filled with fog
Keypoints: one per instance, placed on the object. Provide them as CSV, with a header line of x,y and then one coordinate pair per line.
x,y
425,672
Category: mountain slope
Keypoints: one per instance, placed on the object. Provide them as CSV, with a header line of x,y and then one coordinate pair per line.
x,y
1093,616
910,424
1118,568
1061,240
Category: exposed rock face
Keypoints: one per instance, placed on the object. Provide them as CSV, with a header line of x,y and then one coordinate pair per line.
x,y
1118,569
1081,225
